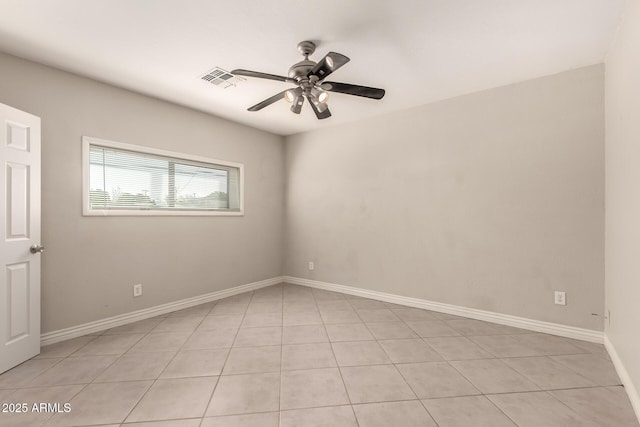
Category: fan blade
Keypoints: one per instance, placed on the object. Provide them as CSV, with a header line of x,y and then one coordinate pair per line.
x,y
349,89
260,105
249,73
327,65
321,112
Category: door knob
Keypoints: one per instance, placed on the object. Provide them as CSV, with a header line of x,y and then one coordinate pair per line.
x,y
34,249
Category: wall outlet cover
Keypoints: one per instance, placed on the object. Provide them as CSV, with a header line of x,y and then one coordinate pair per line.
x,y
560,298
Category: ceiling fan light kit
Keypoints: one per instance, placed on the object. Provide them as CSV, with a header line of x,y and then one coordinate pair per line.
x,y
308,77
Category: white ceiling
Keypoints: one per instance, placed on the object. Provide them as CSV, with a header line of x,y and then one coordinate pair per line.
x,y
420,51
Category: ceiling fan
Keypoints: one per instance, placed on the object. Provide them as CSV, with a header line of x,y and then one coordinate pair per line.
x,y
308,76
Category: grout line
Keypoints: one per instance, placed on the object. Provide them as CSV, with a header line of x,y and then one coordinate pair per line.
x,y
155,381
346,391
227,358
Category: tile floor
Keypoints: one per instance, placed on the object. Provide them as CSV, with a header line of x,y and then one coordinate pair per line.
x,y
289,355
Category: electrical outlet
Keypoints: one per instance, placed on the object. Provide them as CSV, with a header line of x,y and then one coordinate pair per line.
x,y
311,265
560,298
137,290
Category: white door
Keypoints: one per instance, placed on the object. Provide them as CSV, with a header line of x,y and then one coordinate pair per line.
x,y
20,249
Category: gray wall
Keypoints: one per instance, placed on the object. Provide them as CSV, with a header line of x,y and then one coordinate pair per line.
x,y
91,263
623,195
491,200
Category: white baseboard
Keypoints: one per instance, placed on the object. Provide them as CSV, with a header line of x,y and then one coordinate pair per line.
x,y
123,319
487,316
502,319
629,387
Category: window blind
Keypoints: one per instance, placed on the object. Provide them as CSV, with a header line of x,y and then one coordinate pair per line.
x,y
129,180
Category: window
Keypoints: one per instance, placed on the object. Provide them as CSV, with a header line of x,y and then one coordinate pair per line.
x,y
123,179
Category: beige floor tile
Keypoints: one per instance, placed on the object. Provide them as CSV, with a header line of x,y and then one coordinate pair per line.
x,y
267,294
476,411
74,370
341,416
505,346
445,316
218,338
312,388
538,409
297,306
597,369
409,351
102,404
196,311
436,379
179,324
190,422
269,306
334,305
22,374
160,341
57,395
244,360
229,308
339,316
307,356
271,292
109,345
304,334
392,306
243,394
470,327
390,330
294,303
119,425
262,319
136,366
432,328
493,376
296,291
253,337
175,398
196,363
589,347
606,406
385,414
268,419
142,326
321,295
348,332
240,298
550,345
64,348
546,373
357,353
413,314
302,318
364,303
223,321
377,383
457,348
377,315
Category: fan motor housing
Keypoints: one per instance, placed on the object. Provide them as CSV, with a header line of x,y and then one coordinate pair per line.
x,y
300,69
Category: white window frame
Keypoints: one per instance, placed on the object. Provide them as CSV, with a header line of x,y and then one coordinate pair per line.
x,y
87,141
